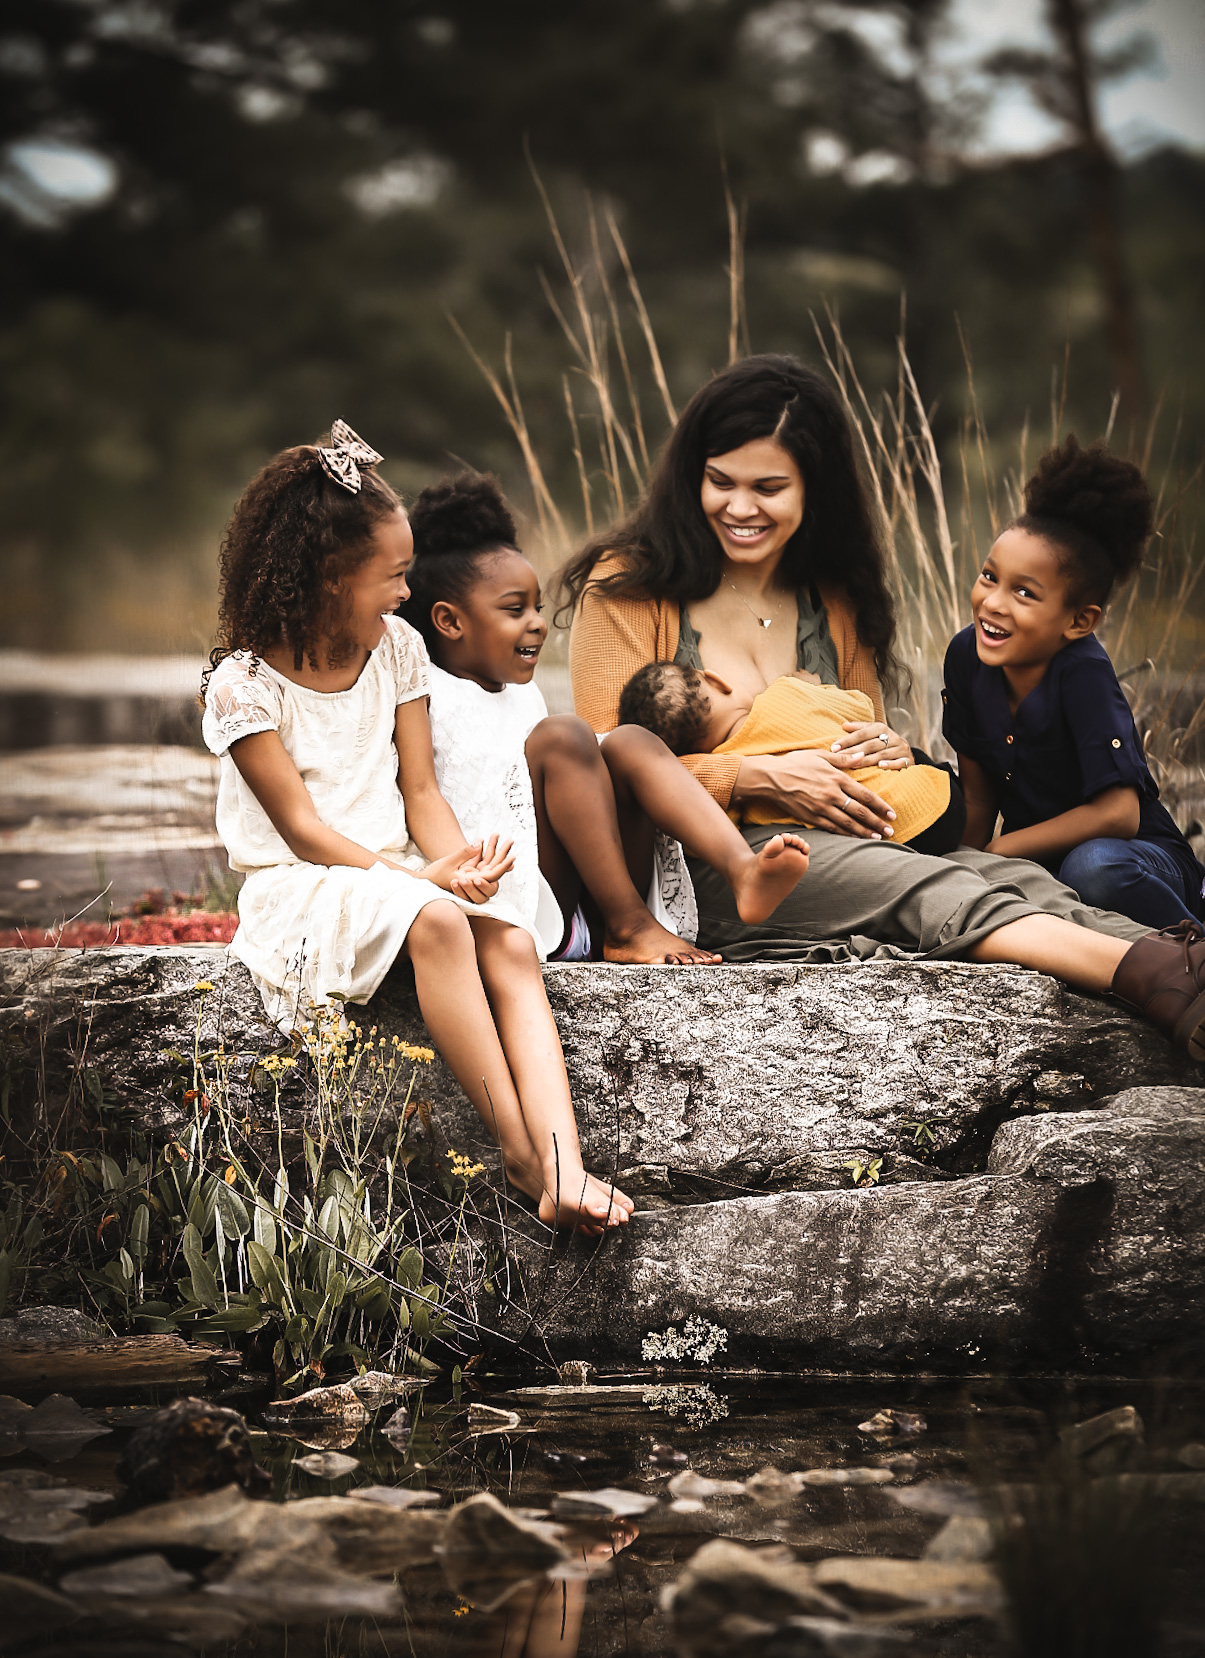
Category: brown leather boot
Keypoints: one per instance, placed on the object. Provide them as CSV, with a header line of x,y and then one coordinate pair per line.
x,y
1163,975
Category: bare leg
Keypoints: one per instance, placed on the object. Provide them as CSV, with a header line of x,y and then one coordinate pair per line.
x,y
456,1011
1080,957
510,972
579,841
653,787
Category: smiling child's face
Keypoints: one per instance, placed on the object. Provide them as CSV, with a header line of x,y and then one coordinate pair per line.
x,y
494,635
375,588
1020,602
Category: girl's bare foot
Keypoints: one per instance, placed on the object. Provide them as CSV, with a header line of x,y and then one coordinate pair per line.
x,y
761,884
585,1204
647,942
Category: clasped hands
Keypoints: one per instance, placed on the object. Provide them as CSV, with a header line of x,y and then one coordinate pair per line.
x,y
472,873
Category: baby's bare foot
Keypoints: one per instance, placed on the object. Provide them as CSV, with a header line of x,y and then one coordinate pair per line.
x,y
649,943
769,875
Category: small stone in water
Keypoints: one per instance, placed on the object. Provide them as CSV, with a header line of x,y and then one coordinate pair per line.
x,y
397,1496
691,1485
328,1465
665,1456
397,1429
1192,1455
1086,1439
489,1419
140,1576
608,1504
576,1373
848,1476
894,1421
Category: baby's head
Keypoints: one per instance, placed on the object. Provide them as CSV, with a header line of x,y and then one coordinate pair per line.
x,y
1049,576
316,552
691,710
473,596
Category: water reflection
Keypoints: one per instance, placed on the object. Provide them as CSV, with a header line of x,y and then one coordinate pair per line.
x,y
543,1618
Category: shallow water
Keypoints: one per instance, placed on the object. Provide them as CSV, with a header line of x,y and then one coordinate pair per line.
x,y
638,1433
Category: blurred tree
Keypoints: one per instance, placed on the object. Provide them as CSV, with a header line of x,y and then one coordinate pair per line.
x,y
280,200
1064,83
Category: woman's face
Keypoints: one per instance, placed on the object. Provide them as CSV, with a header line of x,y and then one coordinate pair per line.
x,y
753,498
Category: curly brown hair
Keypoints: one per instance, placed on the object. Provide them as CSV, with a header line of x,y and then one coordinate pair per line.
x,y
1097,510
294,532
670,700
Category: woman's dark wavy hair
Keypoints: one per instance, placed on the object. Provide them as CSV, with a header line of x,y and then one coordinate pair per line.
x,y
1097,511
294,531
670,549
456,523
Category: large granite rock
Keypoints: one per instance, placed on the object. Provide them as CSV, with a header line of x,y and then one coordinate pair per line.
x,y
689,1083
1033,1208
1084,1240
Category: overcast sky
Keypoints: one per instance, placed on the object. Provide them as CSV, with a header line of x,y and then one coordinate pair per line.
x,y
1148,108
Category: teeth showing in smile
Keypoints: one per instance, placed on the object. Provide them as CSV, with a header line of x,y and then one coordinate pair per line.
x,y
528,651
993,632
746,531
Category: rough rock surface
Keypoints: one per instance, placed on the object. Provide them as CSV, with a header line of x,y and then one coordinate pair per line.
x,y
1085,1238
1027,1213
689,1083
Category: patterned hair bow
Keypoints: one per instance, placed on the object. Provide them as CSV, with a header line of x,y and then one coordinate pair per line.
x,y
347,453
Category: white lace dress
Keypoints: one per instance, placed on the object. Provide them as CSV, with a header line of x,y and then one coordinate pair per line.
x,y
309,933
481,769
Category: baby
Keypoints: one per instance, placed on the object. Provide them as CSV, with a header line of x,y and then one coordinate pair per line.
x,y
694,711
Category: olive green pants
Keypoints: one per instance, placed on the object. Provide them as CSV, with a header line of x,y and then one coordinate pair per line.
x,y
869,898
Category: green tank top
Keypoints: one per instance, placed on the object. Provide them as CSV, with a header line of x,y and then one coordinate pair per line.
x,y
814,648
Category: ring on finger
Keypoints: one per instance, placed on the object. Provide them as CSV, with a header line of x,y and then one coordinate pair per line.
x,y
847,804
885,738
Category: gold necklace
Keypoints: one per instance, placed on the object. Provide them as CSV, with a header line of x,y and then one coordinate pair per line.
x,y
762,621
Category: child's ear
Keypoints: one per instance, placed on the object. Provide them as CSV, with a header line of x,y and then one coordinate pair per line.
x,y
1086,620
714,680
445,619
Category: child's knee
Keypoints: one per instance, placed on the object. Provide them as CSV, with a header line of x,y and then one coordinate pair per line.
x,y
1099,870
559,737
630,745
516,948
440,925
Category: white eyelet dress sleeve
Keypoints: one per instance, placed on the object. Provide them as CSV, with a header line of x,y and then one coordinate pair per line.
x,y
310,934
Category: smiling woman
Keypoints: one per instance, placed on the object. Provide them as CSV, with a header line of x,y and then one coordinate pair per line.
x,y
579,819
757,511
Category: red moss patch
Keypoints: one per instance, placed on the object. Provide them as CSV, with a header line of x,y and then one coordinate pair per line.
x,y
197,927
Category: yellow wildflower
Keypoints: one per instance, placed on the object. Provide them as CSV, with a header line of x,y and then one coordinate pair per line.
x,y
203,984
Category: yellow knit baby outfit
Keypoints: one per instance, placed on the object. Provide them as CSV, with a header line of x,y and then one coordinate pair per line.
x,y
791,714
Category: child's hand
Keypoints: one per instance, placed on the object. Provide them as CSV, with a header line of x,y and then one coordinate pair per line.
x,y
472,873
477,878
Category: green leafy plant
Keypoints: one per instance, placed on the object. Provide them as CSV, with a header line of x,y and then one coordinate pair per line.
x,y
864,1173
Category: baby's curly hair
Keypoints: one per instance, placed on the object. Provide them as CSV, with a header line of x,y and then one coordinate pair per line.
x,y
1097,510
294,531
669,700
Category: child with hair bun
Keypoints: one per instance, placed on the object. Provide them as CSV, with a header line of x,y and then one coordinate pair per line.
x,y
316,704
579,815
1043,732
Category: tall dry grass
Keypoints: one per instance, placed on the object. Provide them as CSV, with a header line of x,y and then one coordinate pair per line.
x,y
935,530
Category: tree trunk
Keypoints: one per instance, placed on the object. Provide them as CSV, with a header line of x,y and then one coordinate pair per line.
x,y
1102,179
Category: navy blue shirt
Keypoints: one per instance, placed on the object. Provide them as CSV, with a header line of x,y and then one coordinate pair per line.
x,y
1071,738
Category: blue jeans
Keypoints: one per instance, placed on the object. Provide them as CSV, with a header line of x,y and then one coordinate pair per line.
x,y
1140,879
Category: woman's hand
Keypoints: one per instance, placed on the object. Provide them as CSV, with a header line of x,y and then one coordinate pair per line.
x,y
810,787
871,743
473,872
